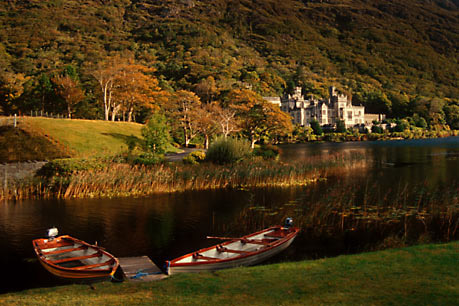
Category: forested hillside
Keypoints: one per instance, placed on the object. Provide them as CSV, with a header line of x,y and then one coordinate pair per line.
x,y
399,57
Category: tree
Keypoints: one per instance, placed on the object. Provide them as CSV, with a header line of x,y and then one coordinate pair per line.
x,y
452,116
226,119
11,88
316,127
340,127
105,73
134,88
205,122
156,134
68,89
181,109
207,89
43,89
258,118
377,102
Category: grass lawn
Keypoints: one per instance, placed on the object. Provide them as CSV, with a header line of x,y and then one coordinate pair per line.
x,y
86,137
420,275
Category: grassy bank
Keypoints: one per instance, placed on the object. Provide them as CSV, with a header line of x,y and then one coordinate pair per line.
x,y
76,138
86,137
417,275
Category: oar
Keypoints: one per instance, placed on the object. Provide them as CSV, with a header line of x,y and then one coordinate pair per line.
x,y
223,238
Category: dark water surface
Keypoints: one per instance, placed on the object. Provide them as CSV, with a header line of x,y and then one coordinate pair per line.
x,y
166,226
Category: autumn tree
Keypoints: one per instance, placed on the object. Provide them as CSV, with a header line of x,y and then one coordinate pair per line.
x,y
134,88
105,73
226,119
11,88
258,118
205,121
69,90
206,89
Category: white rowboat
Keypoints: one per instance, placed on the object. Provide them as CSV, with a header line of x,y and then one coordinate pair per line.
x,y
244,251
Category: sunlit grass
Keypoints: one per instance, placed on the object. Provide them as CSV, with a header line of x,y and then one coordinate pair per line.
x,y
411,276
85,137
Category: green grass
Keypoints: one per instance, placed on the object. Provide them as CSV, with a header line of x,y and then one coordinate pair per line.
x,y
86,137
417,275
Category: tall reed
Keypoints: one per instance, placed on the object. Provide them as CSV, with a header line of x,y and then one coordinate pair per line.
x,y
125,180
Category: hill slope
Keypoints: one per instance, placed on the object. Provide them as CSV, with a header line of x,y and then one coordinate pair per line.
x,y
43,138
400,46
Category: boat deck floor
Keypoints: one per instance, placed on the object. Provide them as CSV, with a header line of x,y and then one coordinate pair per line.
x,y
140,269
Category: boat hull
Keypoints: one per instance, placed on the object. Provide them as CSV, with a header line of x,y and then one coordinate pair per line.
x,y
245,259
71,258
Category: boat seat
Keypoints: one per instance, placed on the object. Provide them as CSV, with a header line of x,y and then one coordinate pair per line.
x,y
107,263
256,241
223,249
57,244
200,256
97,254
275,236
83,247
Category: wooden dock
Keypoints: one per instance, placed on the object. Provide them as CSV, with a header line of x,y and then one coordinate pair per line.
x,y
140,269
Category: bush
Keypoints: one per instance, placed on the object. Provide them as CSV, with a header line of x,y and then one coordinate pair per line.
x,y
65,167
376,129
228,150
316,127
148,159
267,152
194,158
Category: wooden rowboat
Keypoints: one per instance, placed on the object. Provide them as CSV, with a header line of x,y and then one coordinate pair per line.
x,y
69,257
244,251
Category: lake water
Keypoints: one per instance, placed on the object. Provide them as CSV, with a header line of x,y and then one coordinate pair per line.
x,y
167,226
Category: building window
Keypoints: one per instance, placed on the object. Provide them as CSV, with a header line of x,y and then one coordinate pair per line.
x,y
349,115
324,112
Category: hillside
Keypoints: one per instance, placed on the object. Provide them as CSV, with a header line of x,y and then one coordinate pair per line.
x,y
43,138
400,49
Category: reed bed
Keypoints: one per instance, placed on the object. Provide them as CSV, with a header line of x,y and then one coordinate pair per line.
x,y
355,218
118,179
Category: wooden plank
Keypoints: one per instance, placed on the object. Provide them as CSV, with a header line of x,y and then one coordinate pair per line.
x,y
200,256
257,241
134,269
232,251
107,263
97,254
57,244
83,247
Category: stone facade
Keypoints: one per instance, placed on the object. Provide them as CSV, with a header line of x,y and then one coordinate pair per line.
x,y
326,112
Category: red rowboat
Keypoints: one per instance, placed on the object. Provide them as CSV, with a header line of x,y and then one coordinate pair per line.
x,y
69,257
244,251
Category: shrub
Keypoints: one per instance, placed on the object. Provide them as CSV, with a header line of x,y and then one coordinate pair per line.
x,y
65,167
228,150
267,152
376,129
316,127
148,159
340,127
194,158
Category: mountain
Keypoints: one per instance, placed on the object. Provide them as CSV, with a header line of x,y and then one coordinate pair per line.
x,y
399,49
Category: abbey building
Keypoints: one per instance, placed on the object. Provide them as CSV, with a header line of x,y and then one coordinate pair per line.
x,y
327,111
